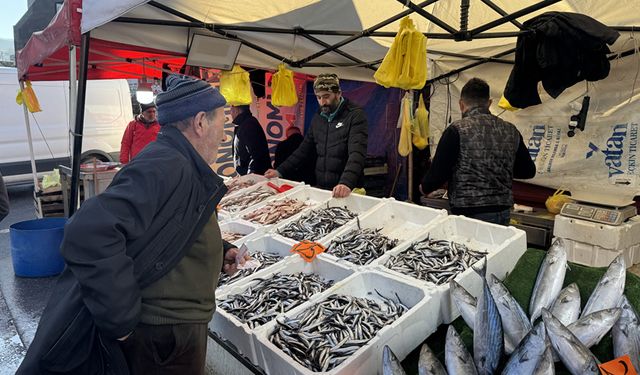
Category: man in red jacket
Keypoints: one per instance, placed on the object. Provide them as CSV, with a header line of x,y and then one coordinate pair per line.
x,y
140,132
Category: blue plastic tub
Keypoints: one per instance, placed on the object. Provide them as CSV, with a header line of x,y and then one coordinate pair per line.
x,y
35,247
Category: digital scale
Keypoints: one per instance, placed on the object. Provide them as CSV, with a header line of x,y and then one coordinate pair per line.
x,y
600,214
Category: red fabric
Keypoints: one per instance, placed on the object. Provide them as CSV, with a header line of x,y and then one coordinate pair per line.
x,y
135,138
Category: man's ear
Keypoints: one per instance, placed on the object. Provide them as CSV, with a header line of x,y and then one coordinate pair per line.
x,y
199,123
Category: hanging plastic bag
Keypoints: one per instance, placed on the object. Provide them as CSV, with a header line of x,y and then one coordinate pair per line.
x,y
555,202
421,126
283,90
404,122
405,65
51,179
28,96
235,86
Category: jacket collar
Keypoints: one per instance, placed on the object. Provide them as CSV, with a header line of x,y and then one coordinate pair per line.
x,y
334,114
475,111
175,137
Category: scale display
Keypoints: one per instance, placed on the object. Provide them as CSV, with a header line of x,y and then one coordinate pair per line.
x,y
604,215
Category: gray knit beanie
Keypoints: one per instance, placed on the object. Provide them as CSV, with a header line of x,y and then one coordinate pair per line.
x,y
185,97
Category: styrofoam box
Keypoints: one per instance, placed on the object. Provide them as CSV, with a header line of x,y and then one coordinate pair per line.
x,y
402,336
248,229
239,334
595,244
398,220
504,245
257,186
310,196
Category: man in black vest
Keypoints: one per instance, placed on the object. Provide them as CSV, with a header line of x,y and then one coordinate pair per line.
x,y
479,156
337,138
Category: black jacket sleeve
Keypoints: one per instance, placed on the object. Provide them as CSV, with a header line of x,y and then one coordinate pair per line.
x,y
443,162
4,200
357,149
256,143
300,156
523,167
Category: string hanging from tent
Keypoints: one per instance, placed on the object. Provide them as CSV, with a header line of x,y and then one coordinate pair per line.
x,y
405,64
28,96
235,86
283,89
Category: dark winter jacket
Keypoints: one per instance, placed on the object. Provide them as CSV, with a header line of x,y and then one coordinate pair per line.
x,y
118,243
287,147
562,50
250,150
340,146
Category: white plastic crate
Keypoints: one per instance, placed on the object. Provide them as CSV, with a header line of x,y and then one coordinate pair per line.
x,y
595,244
227,326
402,336
276,182
247,229
504,245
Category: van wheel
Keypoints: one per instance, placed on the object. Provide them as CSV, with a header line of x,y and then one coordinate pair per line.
x,y
89,158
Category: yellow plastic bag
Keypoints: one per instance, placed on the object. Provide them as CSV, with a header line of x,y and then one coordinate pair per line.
x,y
405,65
283,90
28,96
504,104
404,145
235,86
555,202
421,126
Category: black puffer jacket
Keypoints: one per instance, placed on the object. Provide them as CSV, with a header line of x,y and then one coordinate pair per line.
x,y
340,146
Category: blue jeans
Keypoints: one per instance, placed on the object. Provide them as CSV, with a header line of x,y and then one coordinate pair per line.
x,y
500,217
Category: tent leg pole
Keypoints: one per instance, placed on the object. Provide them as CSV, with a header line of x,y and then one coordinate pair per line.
x,y
79,123
34,170
73,86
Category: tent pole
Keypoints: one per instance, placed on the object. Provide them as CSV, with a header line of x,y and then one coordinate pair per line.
x,y
435,20
512,16
34,170
73,85
79,123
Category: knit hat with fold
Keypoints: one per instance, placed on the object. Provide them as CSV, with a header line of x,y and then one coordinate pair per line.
x,y
185,97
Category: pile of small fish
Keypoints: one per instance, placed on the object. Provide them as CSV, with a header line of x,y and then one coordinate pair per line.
x,y
361,246
317,223
266,259
276,211
231,236
436,261
235,185
243,201
564,334
324,336
277,294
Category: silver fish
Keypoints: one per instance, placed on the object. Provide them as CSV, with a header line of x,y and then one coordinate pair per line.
x,y
590,329
515,323
549,280
249,198
567,306
457,359
488,335
608,292
361,246
465,302
390,363
576,357
528,353
626,333
317,223
546,365
266,259
428,364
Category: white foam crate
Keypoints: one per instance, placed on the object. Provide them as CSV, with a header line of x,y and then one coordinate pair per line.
x,y
504,245
227,326
257,186
595,244
398,220
311,196
402,336
248,229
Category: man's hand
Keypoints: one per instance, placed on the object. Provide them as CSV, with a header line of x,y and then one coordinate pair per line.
x,y
341,191
272,173
229,262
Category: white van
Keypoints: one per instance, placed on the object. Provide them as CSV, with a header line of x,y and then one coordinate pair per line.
x,y
108,110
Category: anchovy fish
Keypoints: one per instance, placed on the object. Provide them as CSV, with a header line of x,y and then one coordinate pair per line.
x,y
515,323
608,292
567,306
246,200
276,211
266,298
456,357
576,357
435,261
465,302
428,364
549,280
317,223
528,353
325,335
626,333
361,246
488,335
390,363
546,365
266,259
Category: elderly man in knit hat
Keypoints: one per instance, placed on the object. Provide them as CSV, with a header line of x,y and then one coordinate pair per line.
x,y
140,132
337,139
143,258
